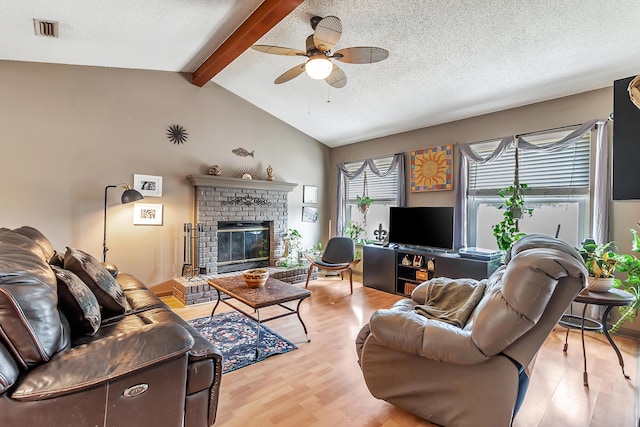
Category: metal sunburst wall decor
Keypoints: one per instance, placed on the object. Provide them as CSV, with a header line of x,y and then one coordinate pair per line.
x,y
177,134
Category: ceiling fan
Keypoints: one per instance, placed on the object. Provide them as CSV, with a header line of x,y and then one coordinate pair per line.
x,y
634,91
327,32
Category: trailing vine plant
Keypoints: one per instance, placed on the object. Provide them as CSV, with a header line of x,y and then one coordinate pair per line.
x,y
508,231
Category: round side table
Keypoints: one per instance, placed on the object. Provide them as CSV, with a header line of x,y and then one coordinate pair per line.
x,y
610,299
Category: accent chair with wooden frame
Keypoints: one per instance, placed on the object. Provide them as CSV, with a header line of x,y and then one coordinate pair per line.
x,y
338,256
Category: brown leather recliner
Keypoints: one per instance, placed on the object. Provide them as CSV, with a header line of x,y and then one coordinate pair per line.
x,y
143,366
475,375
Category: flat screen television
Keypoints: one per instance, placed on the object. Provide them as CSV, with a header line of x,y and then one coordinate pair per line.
x,y
429,227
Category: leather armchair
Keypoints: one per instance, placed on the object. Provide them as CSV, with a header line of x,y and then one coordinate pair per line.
x,y
475,375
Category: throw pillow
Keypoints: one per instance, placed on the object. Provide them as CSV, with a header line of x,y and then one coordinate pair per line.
x,y
77,302
107,291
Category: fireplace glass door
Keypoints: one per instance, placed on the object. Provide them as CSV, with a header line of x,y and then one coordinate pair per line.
x,y
242,246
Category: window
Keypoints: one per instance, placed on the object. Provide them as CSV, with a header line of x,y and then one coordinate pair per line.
x,y
559,190
383,192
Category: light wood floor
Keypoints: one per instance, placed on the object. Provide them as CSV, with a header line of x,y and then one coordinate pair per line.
x,y
320,384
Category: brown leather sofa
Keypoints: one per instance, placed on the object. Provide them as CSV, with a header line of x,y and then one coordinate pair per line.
x,y
104,352
476,375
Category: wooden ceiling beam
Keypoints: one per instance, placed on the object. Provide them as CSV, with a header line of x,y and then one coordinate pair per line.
x,y
264,18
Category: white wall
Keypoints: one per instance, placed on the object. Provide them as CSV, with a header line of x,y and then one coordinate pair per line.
x,y
68,131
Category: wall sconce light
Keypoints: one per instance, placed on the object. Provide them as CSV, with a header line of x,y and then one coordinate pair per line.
x,y
129,195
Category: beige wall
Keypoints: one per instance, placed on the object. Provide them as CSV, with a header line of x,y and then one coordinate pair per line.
x,y
545,115
68,131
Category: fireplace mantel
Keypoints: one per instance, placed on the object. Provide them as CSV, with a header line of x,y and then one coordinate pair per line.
x,y
228,182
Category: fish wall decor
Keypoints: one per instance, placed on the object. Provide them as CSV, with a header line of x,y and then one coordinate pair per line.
x,y
242,152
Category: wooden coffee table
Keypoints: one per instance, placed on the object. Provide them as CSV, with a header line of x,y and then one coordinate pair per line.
x,y
273,293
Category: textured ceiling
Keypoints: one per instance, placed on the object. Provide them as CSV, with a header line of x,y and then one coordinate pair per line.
x,y
448,59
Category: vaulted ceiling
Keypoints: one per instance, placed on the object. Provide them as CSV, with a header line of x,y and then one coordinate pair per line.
x,y
448,60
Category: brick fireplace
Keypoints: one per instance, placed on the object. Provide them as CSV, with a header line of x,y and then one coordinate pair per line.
x,y
222,200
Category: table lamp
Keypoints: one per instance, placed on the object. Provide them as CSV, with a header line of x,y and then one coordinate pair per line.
x,y
129,195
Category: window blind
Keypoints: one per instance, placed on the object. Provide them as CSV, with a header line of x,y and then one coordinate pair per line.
x,y
379,189
560,173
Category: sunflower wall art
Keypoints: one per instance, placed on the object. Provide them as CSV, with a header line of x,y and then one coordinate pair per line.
x,y
432,169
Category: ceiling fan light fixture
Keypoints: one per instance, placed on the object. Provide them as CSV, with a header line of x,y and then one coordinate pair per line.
x,y
318,67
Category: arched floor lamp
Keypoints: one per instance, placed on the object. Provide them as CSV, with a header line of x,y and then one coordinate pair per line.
x,y
129,195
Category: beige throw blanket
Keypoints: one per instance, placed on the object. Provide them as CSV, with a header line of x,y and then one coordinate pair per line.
x,y
451,301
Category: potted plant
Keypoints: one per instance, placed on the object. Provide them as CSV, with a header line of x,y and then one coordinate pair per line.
x,y
363,203
631,265
601,263
507,231
292,249
354,230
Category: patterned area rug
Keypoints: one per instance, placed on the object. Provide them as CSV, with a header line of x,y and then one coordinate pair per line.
x,y
235,336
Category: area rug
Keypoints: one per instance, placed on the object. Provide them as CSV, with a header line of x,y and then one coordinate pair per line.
x,y
235,336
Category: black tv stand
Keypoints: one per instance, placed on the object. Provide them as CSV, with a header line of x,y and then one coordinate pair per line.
x,y
425,249
399,270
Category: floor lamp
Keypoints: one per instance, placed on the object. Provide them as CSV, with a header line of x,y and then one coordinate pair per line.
x,y
129,195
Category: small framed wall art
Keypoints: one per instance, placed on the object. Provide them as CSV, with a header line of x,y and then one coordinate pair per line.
x,y
309,214
310,194
148,185
432,169
147,214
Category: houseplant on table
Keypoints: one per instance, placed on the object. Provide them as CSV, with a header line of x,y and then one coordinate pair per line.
x,y
601,263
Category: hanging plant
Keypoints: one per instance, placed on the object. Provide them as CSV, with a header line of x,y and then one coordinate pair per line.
x,y
508,231
364,202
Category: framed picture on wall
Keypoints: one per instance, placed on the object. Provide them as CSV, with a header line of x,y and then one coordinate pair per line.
x,y
309,214
310,194
148,185
147,214
432,169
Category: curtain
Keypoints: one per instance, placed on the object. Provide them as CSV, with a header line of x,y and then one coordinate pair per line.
x,y
600,212
344,175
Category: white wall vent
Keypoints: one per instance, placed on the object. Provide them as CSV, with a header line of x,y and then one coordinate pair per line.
x,y
45,28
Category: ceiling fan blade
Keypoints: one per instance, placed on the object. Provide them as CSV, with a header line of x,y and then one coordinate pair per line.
x,y
361,55
277,50
634,91
337,78
327,34
290,74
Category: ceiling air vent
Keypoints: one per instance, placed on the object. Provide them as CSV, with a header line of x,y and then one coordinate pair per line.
x,y
45,28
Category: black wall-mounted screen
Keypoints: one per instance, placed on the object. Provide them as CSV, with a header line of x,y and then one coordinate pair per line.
x,y
626,143
430,227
